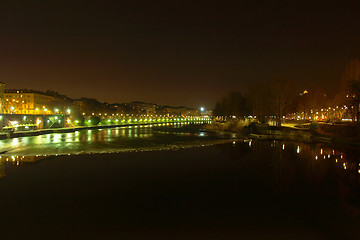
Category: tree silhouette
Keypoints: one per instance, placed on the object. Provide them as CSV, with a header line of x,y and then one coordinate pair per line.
x,y
351,81
234,104
280,92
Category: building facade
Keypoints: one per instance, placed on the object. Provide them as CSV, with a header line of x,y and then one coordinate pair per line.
x,y
2,90
27,102
141,108
182,111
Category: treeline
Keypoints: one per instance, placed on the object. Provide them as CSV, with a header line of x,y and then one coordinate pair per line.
x,y
267,99
277,98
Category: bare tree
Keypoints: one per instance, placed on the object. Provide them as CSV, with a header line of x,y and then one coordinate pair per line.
x,y
354,99
234,104
259,100
352,71
351,83
280,92
304,104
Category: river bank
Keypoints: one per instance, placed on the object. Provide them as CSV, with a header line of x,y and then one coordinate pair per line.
x,y
347,135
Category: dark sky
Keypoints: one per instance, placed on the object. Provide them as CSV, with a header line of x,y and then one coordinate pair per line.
x,y
173,52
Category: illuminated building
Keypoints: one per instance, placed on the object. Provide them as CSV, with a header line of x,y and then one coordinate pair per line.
x,y
182,111
143,108
28,102
2,87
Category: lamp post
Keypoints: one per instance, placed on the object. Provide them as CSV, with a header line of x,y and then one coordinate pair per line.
x,y
68,111
202,110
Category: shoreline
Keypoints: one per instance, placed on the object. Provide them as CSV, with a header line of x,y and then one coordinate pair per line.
x,y
74,129
285,133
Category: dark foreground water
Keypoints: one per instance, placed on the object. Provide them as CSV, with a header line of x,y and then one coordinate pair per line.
x,y
245,189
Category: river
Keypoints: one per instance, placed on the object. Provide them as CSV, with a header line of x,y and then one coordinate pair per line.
x,y
127,138
176,182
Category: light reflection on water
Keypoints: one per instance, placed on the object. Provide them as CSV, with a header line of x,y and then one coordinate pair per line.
x,y
287,163
31,149
321,161
305,182
347,160
95,140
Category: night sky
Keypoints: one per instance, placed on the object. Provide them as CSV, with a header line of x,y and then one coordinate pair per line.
x,y
174,52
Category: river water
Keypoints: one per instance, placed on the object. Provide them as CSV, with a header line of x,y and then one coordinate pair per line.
x,y
207,186
129,138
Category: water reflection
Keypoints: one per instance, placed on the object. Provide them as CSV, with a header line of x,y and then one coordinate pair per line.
x,y
343,158
2,168
106,140
314,155
15,142
294,165
286,167
17,161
